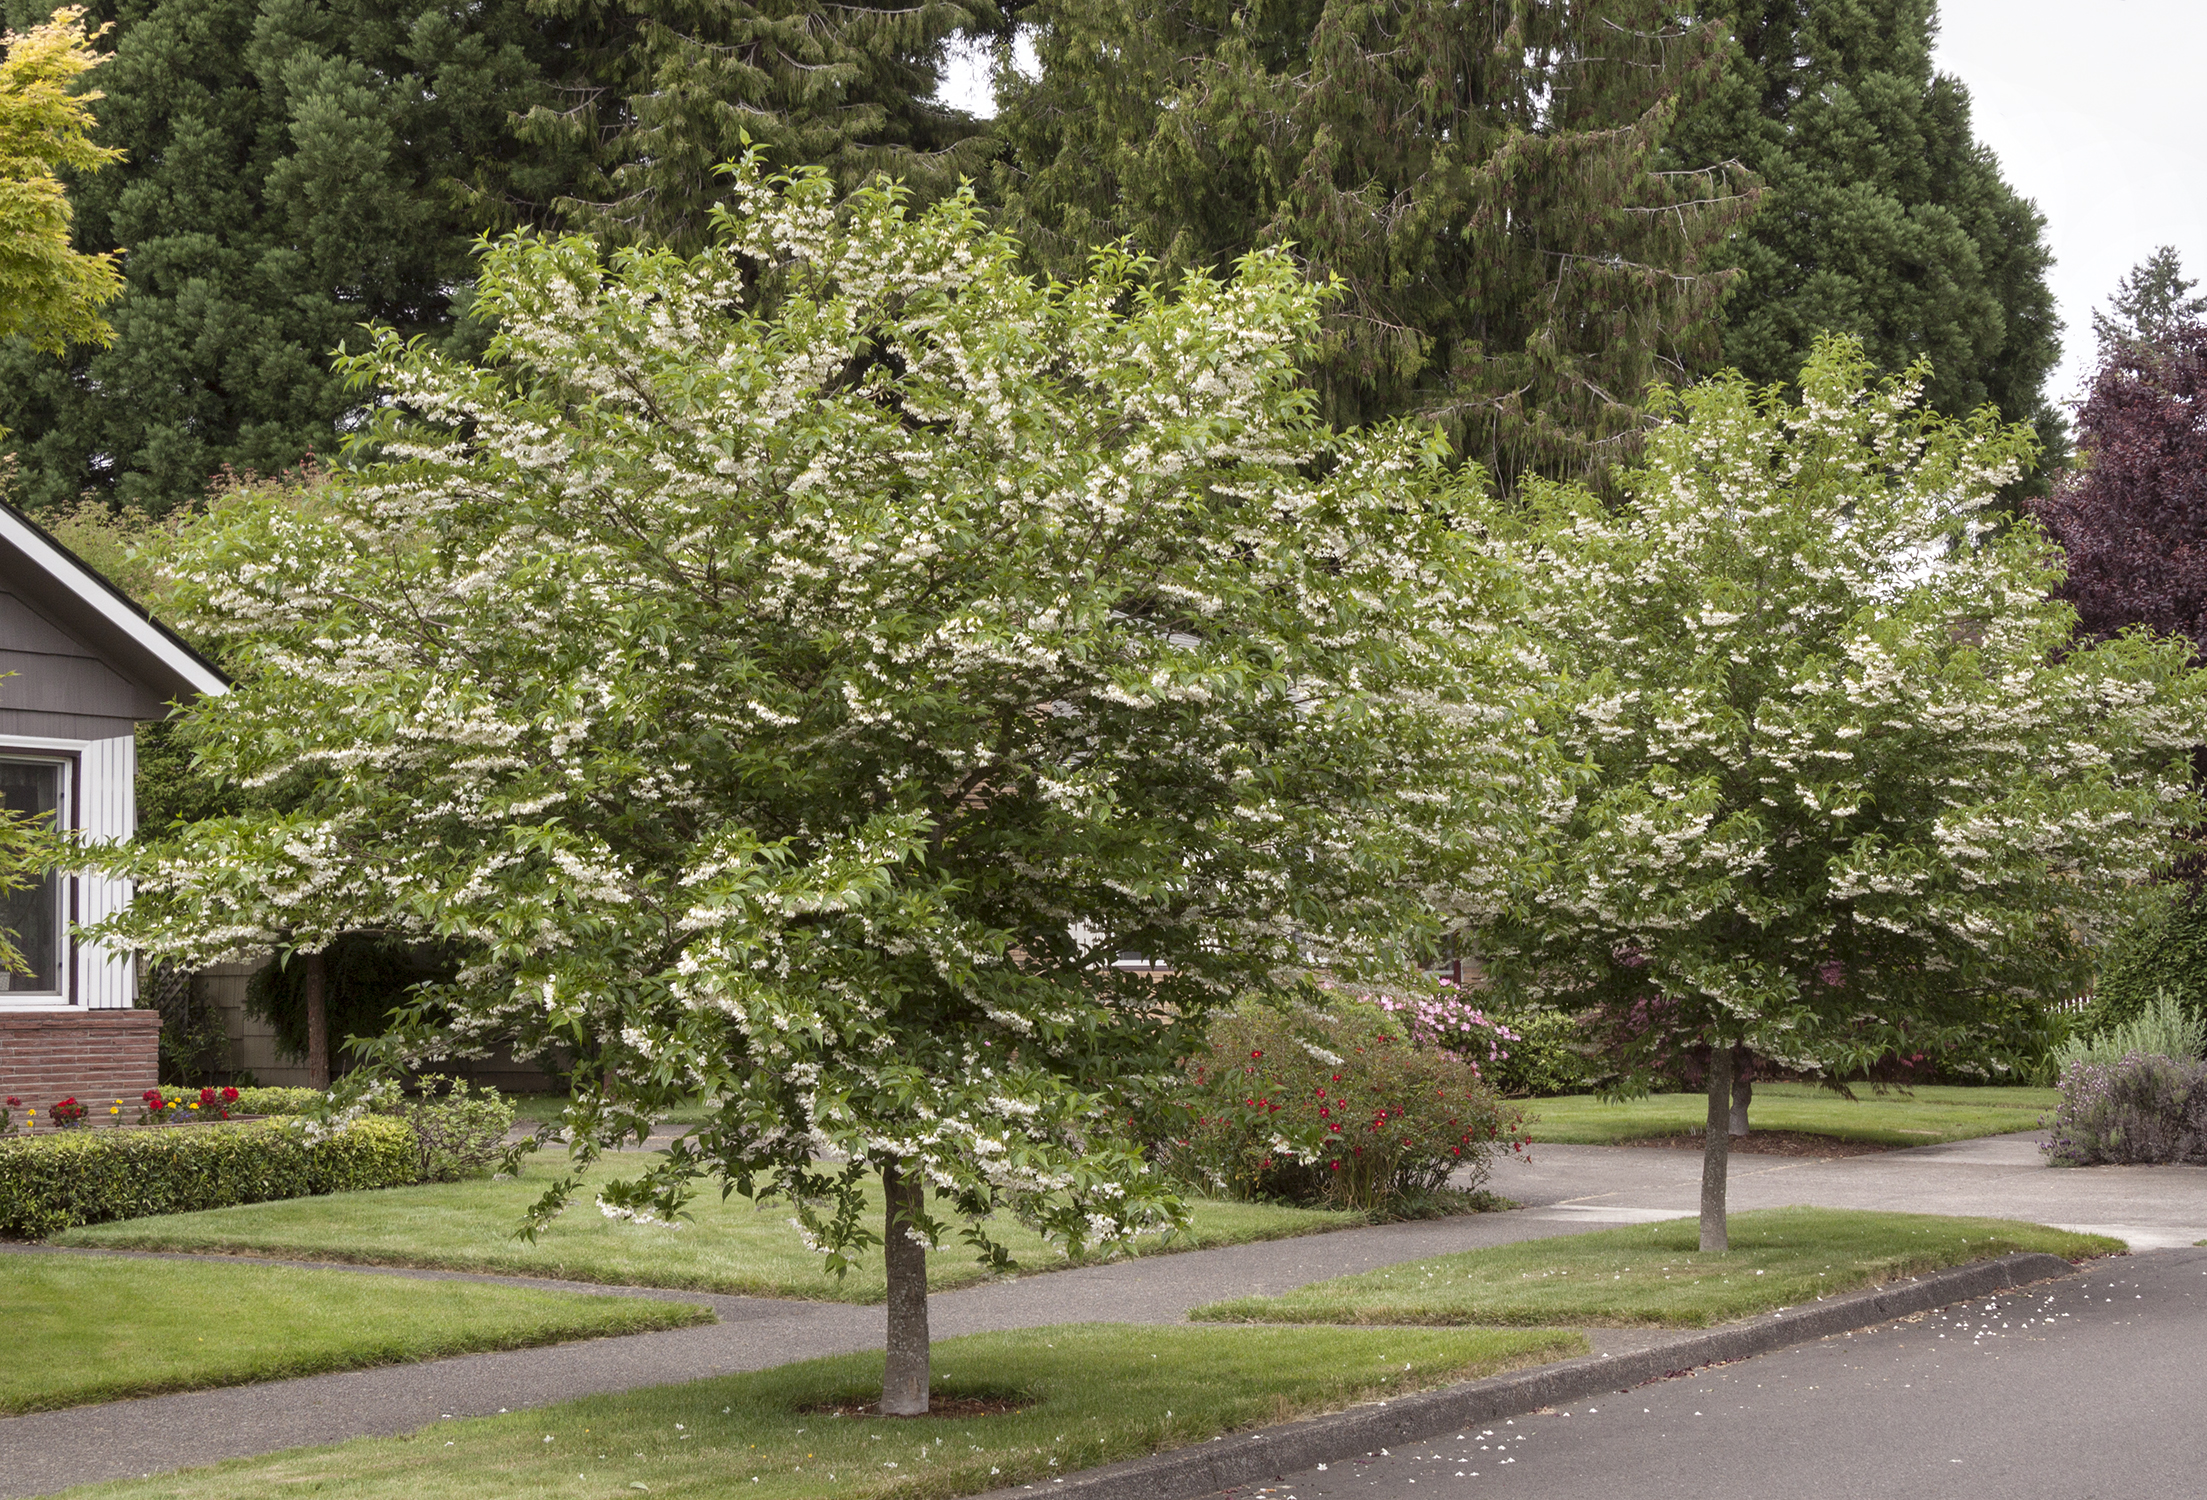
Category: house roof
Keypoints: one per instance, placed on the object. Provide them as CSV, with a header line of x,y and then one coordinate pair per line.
x,y
80,598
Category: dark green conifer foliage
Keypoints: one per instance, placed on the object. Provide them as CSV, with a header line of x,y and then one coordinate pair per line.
x,y
1885,218
1480,178
658,94
295,168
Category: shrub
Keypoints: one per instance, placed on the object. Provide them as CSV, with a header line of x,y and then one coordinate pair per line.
x,y
2165,953
2163,1028
272,1101
459,1134
2143,1109
1335,1105
1548,1054
54,1182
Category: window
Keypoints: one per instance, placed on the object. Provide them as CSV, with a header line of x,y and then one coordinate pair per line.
x,y
33,914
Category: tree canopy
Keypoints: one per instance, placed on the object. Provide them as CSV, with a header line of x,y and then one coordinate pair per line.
x,y
656,94
1885,219
50,292
1482,181
2132,516
791,676
299,168
2149,303
1850,784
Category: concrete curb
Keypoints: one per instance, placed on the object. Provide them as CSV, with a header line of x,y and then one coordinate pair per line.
x,y
1271,1452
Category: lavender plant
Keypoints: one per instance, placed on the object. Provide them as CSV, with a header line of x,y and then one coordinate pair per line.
x,y
2144,1109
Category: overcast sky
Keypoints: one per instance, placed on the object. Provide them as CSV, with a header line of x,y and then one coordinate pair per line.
x,y
2094,112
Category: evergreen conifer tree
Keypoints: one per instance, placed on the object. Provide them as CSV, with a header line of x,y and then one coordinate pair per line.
x,y
658,94
295,168
1885,219
2150,303
1480,179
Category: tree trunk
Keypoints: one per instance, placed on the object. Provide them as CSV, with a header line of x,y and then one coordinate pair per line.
x,y
1743,1092
1716,1150
904,1377
314,991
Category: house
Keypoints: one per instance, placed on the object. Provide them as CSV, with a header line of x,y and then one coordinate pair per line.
x,y
86,665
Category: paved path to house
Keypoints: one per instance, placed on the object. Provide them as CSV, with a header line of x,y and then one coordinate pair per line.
x,y
1566,1189
2087,1388
2002,1176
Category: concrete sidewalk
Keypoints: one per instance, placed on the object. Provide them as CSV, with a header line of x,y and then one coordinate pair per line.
x,y
2002,1176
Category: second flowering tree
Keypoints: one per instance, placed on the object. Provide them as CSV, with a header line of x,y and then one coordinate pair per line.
x,y
1850,784
796,674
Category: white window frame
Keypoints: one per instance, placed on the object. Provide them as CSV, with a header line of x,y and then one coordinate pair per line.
x,y
69,755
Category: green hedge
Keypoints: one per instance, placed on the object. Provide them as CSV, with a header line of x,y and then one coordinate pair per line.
x,y
270,1101
49,1183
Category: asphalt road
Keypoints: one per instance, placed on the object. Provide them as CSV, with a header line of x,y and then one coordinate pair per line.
x,y
2086,1389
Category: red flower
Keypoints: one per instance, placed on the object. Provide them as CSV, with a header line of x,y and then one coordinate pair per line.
x,y
230,1096
1256,1054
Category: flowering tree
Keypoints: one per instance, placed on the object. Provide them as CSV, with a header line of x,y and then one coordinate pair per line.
x,y
798,673
1849,783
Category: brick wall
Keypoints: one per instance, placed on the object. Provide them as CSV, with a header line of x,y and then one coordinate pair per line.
x,y
97,1055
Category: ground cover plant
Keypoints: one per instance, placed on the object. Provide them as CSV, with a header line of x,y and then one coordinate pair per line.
x,y
1655,1274
788,677
99,1328
1100,1393
729,1246
1920,1116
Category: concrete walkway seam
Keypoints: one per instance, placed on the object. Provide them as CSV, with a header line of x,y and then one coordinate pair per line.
x,y
1271,1452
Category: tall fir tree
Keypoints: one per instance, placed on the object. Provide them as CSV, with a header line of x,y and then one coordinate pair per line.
x,y
1886,220
299,168
1481,180
2149,304
657,95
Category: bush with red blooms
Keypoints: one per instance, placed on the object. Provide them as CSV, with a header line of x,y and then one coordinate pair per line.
x,y
1335,1104
68,1112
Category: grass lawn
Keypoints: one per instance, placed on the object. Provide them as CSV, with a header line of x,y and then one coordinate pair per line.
x,y
532,1110
731,1247
1645,1274
84,1328
1103,1393
1918,1117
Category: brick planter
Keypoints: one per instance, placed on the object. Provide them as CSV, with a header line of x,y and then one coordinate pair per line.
x,y
98,1056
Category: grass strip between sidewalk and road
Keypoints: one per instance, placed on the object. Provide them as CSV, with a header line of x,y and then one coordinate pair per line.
x,y
1101,1393
1923,1116
1653,1274
730,1246
86,1328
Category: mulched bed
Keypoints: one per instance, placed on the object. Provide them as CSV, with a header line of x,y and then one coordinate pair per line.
x,y
1771,1143
937,1406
